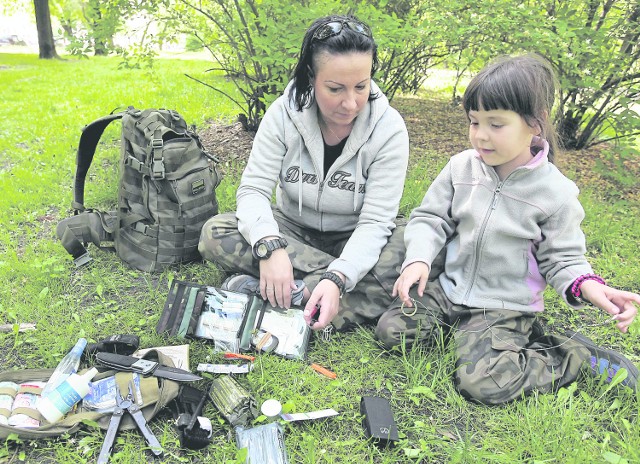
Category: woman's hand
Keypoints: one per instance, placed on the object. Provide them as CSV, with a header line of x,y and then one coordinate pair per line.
x,y
276,279
323,305
620,304
414,272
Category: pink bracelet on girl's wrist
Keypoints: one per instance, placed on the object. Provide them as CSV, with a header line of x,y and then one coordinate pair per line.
x,y
575,287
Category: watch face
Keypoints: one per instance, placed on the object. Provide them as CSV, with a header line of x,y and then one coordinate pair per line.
x,y
262,250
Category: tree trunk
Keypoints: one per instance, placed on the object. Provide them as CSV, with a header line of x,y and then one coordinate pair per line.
x,y
567,128
46,45
100,48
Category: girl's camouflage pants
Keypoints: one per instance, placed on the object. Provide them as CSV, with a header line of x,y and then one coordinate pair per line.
x,y
500,357
311,252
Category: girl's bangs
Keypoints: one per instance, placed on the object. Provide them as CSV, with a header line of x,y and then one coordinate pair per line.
x,y
487,95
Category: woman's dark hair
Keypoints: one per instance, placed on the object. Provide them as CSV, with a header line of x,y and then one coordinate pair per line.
x,y
524,84
347,40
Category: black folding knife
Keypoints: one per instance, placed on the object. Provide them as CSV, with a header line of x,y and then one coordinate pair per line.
x,y
144,367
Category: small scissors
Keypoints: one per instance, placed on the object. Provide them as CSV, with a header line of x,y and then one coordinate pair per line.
x,y
127,403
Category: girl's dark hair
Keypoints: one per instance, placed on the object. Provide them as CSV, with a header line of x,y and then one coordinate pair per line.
x,y
346,41
524,84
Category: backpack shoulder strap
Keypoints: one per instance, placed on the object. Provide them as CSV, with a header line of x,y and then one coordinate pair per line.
x,y
86,149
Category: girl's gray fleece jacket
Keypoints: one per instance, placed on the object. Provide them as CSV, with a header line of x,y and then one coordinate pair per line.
x,y
361,192
505,239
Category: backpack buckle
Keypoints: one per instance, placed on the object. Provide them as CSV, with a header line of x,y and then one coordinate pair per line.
x,y
156,143
157,169
82,260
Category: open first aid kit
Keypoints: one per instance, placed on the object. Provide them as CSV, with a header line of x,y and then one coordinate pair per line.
x,y
233,321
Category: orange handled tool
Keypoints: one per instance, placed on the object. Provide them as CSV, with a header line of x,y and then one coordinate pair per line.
x,y
239,356
324,371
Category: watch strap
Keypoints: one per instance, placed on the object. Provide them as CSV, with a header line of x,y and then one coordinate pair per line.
x,y
276,243
271,244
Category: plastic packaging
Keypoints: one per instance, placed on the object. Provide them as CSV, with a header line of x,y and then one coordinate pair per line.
x,y
102,395
264,443
68,365
62,399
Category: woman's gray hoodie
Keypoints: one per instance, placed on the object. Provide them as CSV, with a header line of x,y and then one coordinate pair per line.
x,y
361,192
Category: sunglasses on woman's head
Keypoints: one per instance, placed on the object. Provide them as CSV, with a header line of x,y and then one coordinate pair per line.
x,y
335,27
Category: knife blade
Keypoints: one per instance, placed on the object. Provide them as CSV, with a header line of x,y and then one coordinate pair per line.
x,y
144,367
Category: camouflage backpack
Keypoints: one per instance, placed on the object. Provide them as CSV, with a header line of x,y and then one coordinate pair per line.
x,y
166,192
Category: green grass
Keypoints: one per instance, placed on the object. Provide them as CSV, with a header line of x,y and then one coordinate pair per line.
x,y
46,104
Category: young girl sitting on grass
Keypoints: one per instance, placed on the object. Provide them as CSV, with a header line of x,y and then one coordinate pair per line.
x,y
509,223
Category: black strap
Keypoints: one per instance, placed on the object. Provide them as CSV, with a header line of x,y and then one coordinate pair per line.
x,y
125,344
86,150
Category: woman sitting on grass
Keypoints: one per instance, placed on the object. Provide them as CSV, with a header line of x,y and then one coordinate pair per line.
x,y
336,152
509,223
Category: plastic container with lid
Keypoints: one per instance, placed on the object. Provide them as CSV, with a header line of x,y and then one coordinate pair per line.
x,y
60,401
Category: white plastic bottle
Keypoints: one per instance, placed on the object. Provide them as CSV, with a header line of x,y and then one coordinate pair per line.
x,y
62,399
68,365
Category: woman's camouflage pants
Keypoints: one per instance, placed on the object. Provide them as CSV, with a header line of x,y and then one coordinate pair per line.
x,y
499,356
311,252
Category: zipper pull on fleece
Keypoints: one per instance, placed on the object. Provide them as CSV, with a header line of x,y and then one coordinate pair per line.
x,y
496,194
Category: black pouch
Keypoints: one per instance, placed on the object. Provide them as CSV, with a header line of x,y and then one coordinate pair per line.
x,y
125,344
378,421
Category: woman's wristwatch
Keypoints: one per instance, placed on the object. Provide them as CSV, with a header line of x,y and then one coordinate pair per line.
x,y
263,247
335,278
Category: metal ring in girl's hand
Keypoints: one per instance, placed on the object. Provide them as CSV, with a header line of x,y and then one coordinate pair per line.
x,y
415,309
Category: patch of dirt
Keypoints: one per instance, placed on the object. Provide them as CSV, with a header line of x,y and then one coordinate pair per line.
x,y
434,125
227,143
437,127
598,169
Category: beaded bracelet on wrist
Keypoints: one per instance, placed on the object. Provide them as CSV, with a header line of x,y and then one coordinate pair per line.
x,y
575,287
333,277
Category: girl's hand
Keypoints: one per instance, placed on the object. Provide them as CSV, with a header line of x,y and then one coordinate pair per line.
x,y
276,279
620,304
414,272
323,305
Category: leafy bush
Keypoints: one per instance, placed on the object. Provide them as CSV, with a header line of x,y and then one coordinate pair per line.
x,y
594,48
254,43
413,37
